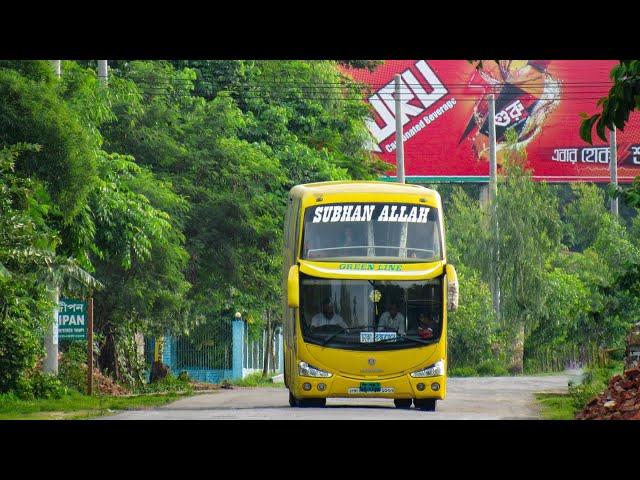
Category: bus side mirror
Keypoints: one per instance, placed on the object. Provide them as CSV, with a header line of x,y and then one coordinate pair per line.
x,y
293,287
452,288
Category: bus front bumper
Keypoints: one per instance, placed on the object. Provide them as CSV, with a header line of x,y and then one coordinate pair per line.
x,y
403,386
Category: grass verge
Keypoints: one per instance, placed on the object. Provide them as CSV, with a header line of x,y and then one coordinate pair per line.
x,y
76,405
556,406
565,406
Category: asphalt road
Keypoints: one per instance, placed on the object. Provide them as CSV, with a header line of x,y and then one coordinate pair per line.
x,y
482,398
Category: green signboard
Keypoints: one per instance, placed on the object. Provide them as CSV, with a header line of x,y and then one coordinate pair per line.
x,y
72,319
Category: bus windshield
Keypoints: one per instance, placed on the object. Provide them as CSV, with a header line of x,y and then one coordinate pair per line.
x,y
369,314
367,231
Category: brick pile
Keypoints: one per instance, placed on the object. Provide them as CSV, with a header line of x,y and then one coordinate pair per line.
x,y
106,386
620,401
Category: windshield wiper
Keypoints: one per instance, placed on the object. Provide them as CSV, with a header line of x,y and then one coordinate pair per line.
x,y
347,329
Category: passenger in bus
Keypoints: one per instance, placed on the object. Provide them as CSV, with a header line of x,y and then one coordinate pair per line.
x,y
328,316
392,319
427,327
348,237
349,243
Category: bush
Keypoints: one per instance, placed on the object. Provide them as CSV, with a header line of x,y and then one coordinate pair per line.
x,y
19,341
170,383
37,384
617,355
470,330
582,394
463,372
491,367
594,381
73,367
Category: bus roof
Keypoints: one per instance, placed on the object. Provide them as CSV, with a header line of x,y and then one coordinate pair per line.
x,y
347,187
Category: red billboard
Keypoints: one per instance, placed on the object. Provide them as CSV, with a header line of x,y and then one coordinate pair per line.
x,y
444,109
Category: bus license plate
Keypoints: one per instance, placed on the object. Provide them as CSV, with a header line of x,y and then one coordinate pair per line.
x,y
354,390
367,387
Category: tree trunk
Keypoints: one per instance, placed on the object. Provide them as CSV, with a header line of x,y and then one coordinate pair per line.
x,y
274,360
517,351
267,345
108,358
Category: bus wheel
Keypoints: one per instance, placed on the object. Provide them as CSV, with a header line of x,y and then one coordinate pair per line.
x,y
402,402
427,404
293,401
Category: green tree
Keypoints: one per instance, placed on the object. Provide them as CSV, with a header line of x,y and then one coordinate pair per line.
x,y
233,141
30,268
472,328
37,115
622,100
24,304
583,215
138,253
529,237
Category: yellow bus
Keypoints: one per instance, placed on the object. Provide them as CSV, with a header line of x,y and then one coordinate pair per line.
x,y
366,292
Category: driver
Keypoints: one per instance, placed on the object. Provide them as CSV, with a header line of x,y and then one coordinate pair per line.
x,y
327,316
392,319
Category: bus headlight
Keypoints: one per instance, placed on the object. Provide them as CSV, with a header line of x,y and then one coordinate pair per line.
x,y
306,370
434,370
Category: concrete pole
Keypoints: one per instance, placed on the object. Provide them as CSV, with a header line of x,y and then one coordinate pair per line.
x,y
399,140
51,338
238,347
493,194
103,74
56,67
493,163
613,168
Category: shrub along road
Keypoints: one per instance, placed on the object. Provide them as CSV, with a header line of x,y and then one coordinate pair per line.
x,y
467,398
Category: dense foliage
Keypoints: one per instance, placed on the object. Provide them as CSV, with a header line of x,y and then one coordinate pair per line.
x,y
567,271
168,186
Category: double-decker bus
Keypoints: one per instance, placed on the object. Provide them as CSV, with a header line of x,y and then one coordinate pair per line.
x,y
366,291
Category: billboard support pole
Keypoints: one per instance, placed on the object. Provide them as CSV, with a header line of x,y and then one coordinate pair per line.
x,y
613,168
493,193
399,140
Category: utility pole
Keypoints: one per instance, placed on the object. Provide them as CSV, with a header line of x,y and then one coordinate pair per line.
x,y
402,252
493,194
613,168
493,164
51,337
56,67
50,363
103,74
399,140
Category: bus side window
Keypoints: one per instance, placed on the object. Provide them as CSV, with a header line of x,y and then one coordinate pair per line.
x,y
287,227
296,234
